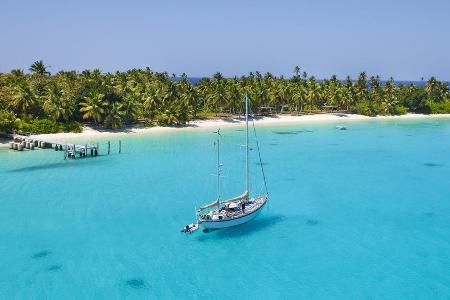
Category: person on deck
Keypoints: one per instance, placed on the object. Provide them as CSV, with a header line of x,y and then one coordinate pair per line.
x,y
243,206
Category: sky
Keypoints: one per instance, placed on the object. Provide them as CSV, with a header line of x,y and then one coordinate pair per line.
x,y
403,39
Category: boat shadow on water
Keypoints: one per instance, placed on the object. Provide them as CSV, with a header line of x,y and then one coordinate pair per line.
x,y
259,224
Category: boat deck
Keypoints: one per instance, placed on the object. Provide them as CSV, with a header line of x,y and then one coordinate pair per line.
x,y
223,214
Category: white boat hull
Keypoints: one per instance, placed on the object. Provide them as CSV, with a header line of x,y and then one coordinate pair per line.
x,y
217,224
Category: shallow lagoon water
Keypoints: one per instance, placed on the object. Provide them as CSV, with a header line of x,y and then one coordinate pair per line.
x,y
356,214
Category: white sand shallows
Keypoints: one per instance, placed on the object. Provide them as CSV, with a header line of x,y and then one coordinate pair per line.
x,y
92,134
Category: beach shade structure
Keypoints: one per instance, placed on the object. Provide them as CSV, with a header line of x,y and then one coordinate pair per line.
x,y
265,110
284,109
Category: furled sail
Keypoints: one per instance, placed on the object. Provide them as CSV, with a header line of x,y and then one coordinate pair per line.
x,y
240,197
212,204
217,202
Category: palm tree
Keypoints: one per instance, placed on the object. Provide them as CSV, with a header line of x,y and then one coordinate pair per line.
x,y
150,104
39,68
296,71
390,97
375,89
24,100
432,88
17,73
190,96
93,107
114,116
361,87
53,104
313,92
131,103
299,96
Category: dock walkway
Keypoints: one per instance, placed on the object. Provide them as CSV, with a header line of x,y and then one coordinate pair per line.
x,y
23,142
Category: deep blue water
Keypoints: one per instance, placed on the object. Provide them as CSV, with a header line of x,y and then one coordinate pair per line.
x,y
356,214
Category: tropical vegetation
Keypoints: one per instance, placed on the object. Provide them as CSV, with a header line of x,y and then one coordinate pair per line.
x,y
40,102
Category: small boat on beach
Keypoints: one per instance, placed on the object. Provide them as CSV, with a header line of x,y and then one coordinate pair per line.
x,y
240,209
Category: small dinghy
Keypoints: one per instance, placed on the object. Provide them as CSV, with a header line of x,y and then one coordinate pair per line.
x,y
339,127
190,228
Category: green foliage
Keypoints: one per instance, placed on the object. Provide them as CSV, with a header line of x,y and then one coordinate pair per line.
x,y
114,116
39,68
149,123
7,121
41,126
364,108
310,107
43,101
94,107
440,107
166,119
400,110
70,127
415,98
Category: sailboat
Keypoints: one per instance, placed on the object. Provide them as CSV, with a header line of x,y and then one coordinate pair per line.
x,y
238,210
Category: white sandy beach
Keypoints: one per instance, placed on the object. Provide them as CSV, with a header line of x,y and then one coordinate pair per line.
x,y
91,133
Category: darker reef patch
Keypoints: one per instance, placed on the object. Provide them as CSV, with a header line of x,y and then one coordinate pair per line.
x,y
136,283
42,254
285,132
429,164
54,268
312,222
291,132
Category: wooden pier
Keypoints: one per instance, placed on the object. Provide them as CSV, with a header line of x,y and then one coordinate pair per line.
x,y
23,142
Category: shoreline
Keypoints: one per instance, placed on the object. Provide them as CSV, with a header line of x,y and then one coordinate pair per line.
x,y
90,133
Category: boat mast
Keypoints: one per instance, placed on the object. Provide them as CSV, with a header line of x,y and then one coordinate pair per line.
x,y
218,167
218,173
246,142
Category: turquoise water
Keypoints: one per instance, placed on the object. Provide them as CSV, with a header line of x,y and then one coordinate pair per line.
x,y
356,214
